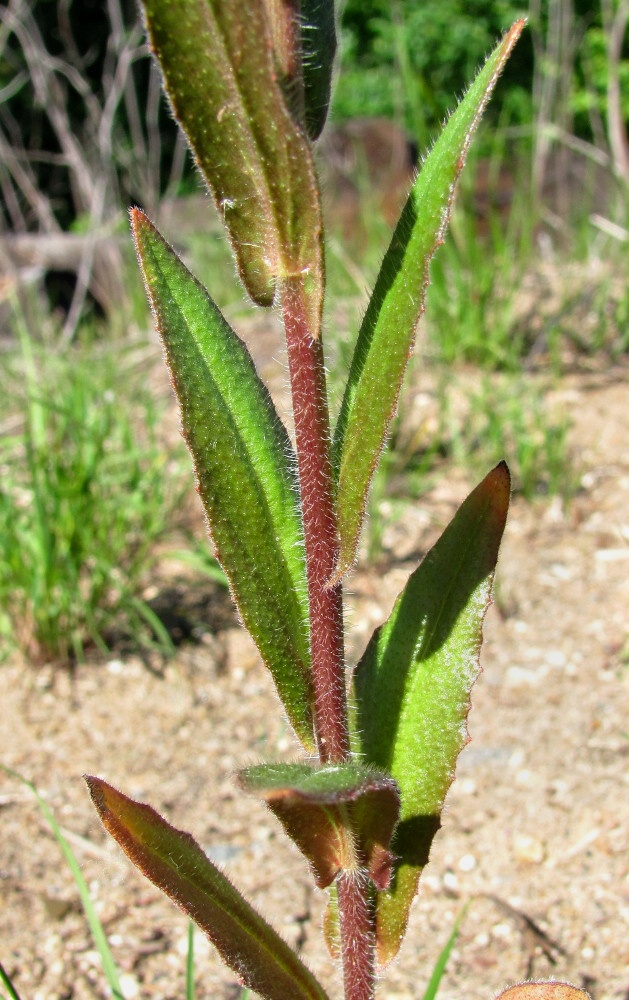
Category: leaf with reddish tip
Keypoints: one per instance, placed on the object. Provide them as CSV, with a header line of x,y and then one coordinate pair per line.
x,y
175,863
412,686
245,469
341,817
221,77
386,337
543,991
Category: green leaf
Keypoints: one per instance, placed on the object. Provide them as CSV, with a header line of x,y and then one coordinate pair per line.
x,y
341,817
220,75
412,686
387,333
245,469
174,862
318,40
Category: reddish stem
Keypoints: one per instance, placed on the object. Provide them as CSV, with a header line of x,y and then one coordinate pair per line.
x,y
312,429
357,936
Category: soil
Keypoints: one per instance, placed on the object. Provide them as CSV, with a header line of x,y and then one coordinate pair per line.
x,y
536,829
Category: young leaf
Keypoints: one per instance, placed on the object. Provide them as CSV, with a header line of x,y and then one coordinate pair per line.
x,y
386,336
340,817
412,686
174,862
220,75
245,469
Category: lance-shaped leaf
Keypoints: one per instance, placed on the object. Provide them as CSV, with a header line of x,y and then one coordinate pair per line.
x,y
220,75
341,817
245,469
412,686
387,333
174,862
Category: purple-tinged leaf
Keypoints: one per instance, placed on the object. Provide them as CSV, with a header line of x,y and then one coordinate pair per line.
x,y
412,686
245,469
175,863
386,337
221,76
341,817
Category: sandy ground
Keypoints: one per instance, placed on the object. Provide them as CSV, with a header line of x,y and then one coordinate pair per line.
x,y
536,829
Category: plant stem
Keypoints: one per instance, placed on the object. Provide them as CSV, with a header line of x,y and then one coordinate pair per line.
x,y
312,430
357,936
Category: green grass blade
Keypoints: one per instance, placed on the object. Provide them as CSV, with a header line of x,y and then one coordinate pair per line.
x,y
13,994
386,337
190,990
200,560
175,863
412,686
441,963
96,928
245,470
154,622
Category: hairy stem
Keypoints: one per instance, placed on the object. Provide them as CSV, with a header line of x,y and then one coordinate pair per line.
x,y
312,429
357,936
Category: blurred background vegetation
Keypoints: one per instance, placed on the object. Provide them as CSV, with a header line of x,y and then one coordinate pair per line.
x,y
530,285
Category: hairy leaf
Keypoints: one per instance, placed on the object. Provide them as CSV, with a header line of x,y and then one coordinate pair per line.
x,y
221,77
304,46
174,862
412,686
341,817
245,469
283,17
318,33
387,333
